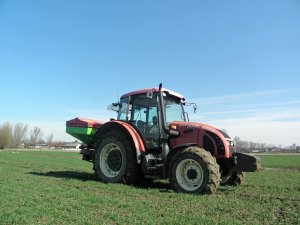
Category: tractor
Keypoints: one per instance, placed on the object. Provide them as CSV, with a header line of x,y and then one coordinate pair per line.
x,y
152,138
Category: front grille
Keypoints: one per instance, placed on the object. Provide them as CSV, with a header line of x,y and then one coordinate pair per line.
x,y
219,143
208,144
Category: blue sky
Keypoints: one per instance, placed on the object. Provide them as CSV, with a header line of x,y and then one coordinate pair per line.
x,y
239,60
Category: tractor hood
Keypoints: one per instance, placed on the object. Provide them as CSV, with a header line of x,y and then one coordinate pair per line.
x,y
205,136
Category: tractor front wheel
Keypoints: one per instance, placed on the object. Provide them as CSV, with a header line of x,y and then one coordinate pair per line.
x,y
194,171
235,179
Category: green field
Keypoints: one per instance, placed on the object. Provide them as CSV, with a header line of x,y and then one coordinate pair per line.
x,y
291,161
40,187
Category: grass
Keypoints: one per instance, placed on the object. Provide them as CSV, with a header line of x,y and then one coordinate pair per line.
x,y
39,187
281,161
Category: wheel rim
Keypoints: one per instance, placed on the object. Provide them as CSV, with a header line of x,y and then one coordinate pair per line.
x,y
111,160
189,174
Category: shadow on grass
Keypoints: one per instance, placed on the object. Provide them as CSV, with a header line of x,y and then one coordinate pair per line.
x,y
163,186
82,176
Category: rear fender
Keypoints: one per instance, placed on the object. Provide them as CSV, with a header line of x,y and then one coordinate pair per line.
x,y
126,129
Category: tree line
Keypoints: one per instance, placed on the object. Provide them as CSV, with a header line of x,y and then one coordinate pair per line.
x,y
15,135
249,146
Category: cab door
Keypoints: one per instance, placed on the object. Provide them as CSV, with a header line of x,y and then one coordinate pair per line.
x,y
144,115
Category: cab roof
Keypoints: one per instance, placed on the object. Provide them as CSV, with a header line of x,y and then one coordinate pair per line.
x,y
155,90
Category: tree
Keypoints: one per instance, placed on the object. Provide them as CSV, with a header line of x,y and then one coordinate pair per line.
x,y
241,146
19,134
253,146
49,140
5,135
36,134
236,139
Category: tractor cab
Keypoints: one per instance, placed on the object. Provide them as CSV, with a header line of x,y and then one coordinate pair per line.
x,y
142,110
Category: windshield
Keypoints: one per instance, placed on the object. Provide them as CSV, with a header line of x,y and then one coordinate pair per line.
x,y
143,110
174,109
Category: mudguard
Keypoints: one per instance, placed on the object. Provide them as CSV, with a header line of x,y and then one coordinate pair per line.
x,y
123,127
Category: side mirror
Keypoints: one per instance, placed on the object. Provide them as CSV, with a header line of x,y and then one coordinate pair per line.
x,y
114,107
191,104
194,107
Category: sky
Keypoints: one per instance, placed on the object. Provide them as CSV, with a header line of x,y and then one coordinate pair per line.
x,y
238,60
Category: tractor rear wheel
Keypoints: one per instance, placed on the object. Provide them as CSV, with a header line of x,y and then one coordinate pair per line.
x,y
115,159
194,171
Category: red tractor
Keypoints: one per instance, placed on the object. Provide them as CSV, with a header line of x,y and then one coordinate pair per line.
x,y
153,138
